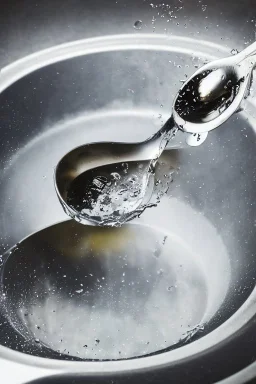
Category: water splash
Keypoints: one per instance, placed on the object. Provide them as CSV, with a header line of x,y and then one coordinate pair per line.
x,y
187,336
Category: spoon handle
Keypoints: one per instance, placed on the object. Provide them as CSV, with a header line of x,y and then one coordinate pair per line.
x,y
162,137
172,137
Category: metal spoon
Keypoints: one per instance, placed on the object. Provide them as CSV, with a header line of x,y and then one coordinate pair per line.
x,y
110,183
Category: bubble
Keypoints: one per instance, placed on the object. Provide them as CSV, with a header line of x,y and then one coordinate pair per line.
x,y
138,24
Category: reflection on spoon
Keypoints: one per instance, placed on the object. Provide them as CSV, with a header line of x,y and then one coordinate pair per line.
x,y
214,92
110,183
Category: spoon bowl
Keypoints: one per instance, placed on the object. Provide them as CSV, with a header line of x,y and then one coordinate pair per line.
x,y
110,183
100,167
214,92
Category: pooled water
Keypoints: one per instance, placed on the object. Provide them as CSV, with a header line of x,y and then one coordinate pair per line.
x,y
187,336
120,292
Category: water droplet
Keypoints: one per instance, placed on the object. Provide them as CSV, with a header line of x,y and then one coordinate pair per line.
x,y
138,24
234,51
157,252
222,108
115,175
164,240
133,179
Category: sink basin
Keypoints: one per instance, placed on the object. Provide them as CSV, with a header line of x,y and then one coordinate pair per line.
x,y
171,294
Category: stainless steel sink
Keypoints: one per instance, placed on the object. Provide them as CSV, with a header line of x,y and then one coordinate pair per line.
x,y
170,296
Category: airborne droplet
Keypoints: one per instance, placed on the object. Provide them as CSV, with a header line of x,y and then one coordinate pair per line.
x,y
138,24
